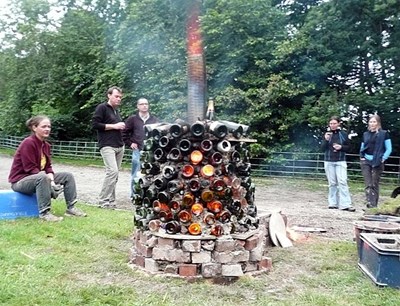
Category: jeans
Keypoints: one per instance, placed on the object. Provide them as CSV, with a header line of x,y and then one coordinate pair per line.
x,y
41,185
372,177
112,158
339,194
135,169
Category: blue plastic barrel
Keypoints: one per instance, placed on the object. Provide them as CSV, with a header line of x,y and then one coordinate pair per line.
x,y
17,205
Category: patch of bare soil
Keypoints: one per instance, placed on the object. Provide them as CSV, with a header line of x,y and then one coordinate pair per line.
x,y
302,206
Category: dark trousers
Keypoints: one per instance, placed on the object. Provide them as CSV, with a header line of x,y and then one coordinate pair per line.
x,y
372,177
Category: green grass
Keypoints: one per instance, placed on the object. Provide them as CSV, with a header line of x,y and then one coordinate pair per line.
x,y
84,261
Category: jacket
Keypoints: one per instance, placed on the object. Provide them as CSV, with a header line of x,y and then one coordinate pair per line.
x,y
339,137
134,130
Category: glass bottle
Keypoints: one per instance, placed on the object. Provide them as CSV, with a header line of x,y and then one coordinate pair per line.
x,y
169,172
207,195
185,145
187,171
209,218
154,225
235,157
151,192
194,185
159,206
197,209
188,199
175,186
197,129
224,146
164,142
179,128
217,230
215,159
214,206
172,227
174,206
194,229
218,185
218,129
206,145
175,155
146,157
160,183
196,157
224,216
184,216
165,216
207,171
159,155
164,196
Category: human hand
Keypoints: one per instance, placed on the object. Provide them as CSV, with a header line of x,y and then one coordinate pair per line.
x,y
328,136
337,146
134,146
119,126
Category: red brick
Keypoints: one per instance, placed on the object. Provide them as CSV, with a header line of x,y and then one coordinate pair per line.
x,y
139,260
266,263
187,270
251,243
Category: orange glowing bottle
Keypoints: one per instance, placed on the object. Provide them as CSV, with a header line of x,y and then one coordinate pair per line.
x,y
214,206
207,195
197,209
194,229
187,171
184,216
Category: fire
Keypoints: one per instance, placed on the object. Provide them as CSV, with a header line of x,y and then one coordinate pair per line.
x,y
295,236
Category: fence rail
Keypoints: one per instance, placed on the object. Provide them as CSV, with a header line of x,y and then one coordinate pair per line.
x,y
279,164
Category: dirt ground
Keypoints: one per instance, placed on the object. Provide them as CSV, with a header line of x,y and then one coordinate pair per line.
x,y
303,207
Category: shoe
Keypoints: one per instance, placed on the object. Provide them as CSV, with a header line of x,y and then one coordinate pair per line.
x,y
50,217
351,208
108,206
75,212
333,207
371,206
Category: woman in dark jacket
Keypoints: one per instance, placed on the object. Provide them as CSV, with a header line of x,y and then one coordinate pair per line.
x,y
31,172
375,149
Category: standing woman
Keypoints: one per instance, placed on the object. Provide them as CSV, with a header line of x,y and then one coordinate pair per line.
x,y
31,172
335,144
375,149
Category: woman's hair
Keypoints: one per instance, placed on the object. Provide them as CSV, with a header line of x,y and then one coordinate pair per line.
x,y
378,120
35,121
336,118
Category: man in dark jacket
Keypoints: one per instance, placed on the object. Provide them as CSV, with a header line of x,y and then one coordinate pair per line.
x,y
134,135
109,126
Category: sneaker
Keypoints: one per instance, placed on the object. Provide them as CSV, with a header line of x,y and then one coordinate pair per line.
x,y
108,206
350,208
50,217
75,212
333,207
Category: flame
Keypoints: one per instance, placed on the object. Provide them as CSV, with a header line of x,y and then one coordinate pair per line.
x,y
295,236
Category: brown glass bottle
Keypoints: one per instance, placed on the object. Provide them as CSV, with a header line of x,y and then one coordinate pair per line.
x,y
165,216
174,206
215,159
206,145
184,216
218,185
214,206
224,216
159,206
207,171
194,185
217,230
209,218
188,199
187,171
207,195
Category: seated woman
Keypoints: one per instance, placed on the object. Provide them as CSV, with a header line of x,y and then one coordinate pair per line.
x,y
31,172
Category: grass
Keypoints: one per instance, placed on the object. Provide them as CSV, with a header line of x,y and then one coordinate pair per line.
x,y
84,261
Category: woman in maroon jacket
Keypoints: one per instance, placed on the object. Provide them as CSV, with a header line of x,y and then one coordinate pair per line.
x,y
31,172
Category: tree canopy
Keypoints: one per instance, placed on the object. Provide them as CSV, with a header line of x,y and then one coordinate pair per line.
x,y
281,67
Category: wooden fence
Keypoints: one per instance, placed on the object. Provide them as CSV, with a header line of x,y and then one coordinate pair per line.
x,y
279,164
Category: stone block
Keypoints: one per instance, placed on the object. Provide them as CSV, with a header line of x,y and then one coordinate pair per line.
x,y
144,250
171,269
175,255
150,265
152,242
211,270
225,244
187,270
249,267
208,245
191,246
202,257
232,270
257,253
166,243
